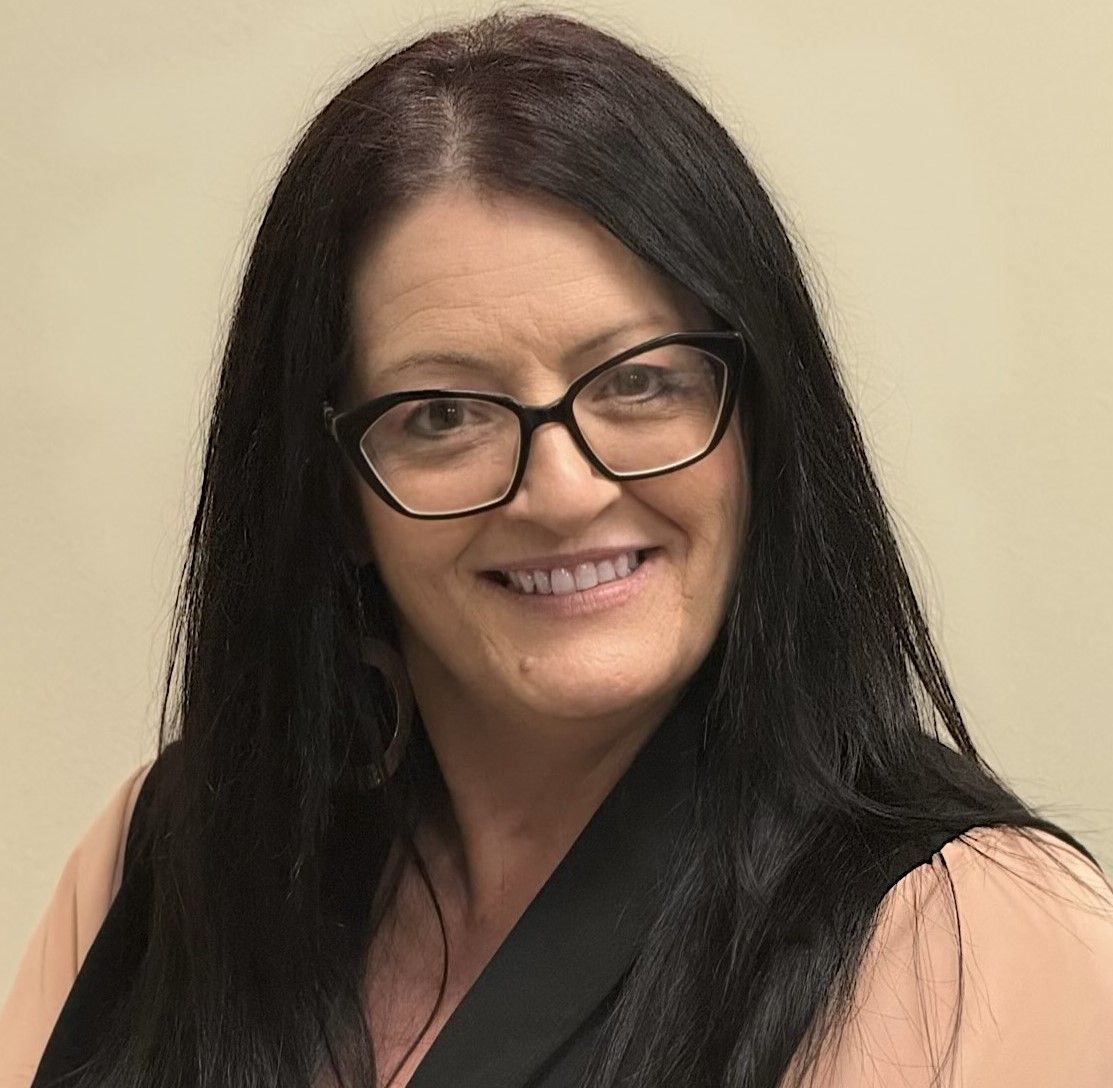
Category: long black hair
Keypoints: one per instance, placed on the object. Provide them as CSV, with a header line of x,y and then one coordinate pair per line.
x,y
827,684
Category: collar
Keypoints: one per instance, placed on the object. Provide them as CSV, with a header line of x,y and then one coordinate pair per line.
x,y
581,933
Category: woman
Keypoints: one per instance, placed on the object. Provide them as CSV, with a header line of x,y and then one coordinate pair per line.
x,y
553,694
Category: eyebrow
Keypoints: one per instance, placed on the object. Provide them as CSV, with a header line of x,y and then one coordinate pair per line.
x,y
465,360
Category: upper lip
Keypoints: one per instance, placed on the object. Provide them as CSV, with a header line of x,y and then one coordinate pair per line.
x,y
571,559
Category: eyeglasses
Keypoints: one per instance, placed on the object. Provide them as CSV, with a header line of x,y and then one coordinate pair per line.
x,y
447,453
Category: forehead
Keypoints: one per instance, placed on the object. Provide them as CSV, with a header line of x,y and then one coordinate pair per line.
x,y
505,275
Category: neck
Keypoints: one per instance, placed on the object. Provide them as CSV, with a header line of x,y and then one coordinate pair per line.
x,y
519,789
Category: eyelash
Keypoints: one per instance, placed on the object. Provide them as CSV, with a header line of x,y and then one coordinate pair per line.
x,y
663,388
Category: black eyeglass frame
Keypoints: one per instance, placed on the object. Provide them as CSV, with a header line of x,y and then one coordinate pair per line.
x,y
349,426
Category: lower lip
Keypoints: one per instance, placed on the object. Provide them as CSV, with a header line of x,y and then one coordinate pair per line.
x,y
583,602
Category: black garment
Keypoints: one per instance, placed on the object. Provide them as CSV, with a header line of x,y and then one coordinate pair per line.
x,y
533,1015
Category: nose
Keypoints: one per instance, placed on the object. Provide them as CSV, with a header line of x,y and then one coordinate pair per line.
x,y
560,488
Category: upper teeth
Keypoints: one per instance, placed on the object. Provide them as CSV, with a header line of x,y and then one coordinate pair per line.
x,y
562,580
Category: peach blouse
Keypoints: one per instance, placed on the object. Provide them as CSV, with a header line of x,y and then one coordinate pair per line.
x,y
1037,1006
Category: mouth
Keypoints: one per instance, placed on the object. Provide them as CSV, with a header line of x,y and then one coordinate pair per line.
x,y
565,581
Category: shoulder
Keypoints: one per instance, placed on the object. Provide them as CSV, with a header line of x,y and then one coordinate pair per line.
x,y
89,881
1013,894
96,866
1006,934
93,872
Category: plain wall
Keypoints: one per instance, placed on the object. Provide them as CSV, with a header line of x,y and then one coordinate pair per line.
x,y
947,165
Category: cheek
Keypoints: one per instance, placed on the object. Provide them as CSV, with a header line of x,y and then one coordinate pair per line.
x,y
709,502
389,533
732,482
416,559
717,530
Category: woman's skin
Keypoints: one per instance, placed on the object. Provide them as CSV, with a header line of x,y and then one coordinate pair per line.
x,y
533,717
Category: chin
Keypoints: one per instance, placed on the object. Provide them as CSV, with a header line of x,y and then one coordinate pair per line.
x,y
589,696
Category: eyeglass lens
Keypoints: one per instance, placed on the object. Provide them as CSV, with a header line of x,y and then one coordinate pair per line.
x,y
444,455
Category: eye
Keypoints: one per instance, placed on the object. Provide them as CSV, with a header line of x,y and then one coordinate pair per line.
x,y
637,381
440,416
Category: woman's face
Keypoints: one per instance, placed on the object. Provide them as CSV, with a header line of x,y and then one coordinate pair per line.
x,y
520,283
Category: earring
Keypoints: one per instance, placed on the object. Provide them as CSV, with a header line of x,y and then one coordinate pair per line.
x,y
383,657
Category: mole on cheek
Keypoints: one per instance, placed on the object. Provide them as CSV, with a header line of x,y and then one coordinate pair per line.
x,y
525,665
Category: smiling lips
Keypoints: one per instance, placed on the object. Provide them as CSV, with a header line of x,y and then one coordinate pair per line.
x,y
560,581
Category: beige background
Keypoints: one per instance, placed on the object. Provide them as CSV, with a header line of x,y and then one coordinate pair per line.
x,y
948,165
